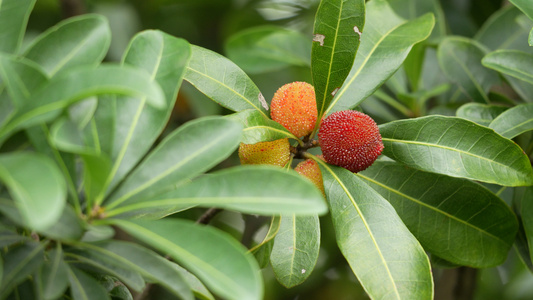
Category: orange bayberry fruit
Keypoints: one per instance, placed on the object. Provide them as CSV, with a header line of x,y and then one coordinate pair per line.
x,y
266,153
350,139
310,169
294,107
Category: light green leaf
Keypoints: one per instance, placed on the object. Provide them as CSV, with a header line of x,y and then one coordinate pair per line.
x,y
77,41
36,185
198,288
221,262
503,31
264,190
137,124
190,150
460,59
53,275
530,38
296,248
85,287
525,5
337,33
514,121
46,103
263,250
386,258
223,81
268,48
258,128
412,9
458,148
479,113
515,63
14,16
384,47
444,216
149,264
19,263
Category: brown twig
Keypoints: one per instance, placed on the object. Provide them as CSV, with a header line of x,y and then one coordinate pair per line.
x,y
71,8
208,215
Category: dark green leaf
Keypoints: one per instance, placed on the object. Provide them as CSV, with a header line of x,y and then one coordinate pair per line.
x,y
19,263
514,121
53,275
46,103
460,59
39,199
191,149
8,238
386,258
455,219
96,233
296,248
258,128
384,46
268,48
223,81
85,287
263,250
479,113
525,5
458,148
337,34
198,288
217,259
14,16
78,41
523,204
263,190
137,124
515,63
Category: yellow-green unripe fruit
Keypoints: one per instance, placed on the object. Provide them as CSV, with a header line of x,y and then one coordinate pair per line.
x,y
294,107
310,169
265,153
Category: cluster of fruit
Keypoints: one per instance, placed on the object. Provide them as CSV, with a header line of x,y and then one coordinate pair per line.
x,y
349,139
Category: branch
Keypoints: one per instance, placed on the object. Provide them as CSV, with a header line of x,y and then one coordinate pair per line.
x,y
71,8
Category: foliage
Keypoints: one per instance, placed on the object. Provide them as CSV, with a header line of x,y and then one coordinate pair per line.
x,y
100,191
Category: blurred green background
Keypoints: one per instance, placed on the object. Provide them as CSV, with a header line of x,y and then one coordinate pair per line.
x,y
210,24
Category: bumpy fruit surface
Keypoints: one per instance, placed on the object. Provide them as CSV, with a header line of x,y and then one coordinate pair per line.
x,y
310,169
265,153
294,107
350,139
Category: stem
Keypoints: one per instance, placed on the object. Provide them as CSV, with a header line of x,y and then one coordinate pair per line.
x,y
71,8
208,215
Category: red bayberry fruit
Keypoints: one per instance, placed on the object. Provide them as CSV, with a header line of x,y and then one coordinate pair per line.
x,y
265,153
350,139
310,169
294,107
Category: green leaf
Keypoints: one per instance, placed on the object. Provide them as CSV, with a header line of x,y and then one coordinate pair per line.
x,y
514,121
66,136
46,103
337,33
136,124
14,16
460,59
481,114
296,248
107,264
413,9
517,64
85,287
36,185
525,5
198,288
530,38
523,203
263,190
221,262
263,250
21,78
191,149
387,260
445,216
258,128
19,263
8,238
77,41
149,264
53,276
503,31
223,81
458,148
268,48
384,47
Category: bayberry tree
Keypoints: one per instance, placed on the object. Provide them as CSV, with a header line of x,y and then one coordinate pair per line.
x,y
99,201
